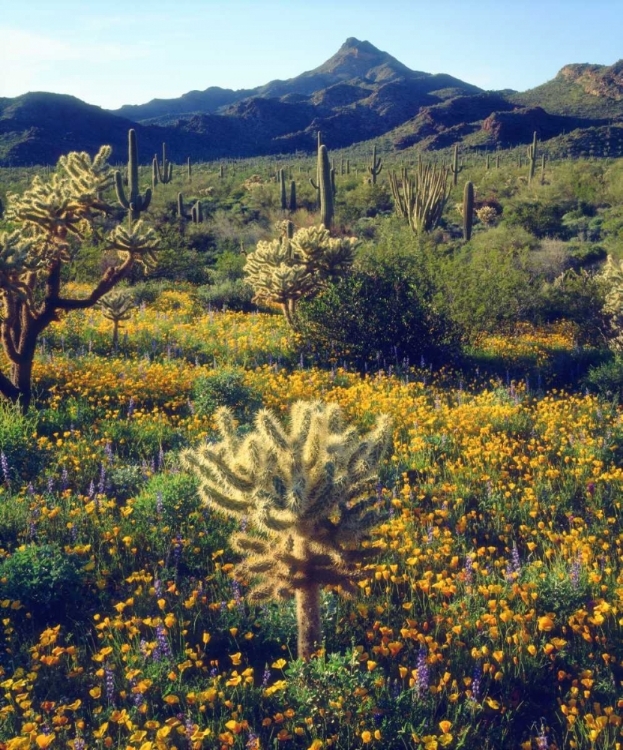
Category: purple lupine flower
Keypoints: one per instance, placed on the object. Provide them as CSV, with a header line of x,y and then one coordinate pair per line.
x,y
160,459
30,489
159,503
109,452
235,587
163,643
137,697
101,487
429,535
109,679
266,677
541,740
64,479
80,744
91,493
476,683
189,727
50,485
423,673
177,550
515,561
158,587
576,570
6,471
469,569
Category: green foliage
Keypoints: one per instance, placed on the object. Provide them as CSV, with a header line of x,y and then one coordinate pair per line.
x,y
44,579
490,283
607,379
384,310
225,387
537,217
24,459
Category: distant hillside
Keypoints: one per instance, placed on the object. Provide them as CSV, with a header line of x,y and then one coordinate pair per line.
x,y
359,94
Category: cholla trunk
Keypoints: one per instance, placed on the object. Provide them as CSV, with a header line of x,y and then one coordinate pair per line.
x,y
115,334
308,620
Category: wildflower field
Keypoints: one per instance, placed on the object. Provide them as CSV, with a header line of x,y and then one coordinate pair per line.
x,y
490,617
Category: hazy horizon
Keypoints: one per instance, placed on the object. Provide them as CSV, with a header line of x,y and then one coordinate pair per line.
x,y
132,54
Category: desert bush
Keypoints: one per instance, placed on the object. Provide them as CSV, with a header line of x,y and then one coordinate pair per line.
x,y
225,387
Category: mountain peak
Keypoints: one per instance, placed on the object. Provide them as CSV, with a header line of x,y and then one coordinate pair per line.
x,y
354,44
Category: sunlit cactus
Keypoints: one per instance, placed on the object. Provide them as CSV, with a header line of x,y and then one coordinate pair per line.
x,y
325,186
612,278
117,306
46,216
284,270
421,198
134,202
305,489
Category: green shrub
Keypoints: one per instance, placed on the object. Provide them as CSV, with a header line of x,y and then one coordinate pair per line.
x,y
370,317
227,295
607,378
43,578
225,387
537,217
23,459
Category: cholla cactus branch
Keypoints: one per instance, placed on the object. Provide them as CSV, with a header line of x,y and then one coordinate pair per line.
x,y
300,485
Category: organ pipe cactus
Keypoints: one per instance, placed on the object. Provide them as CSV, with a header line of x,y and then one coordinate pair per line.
x,y
375,167
306,489
134,203
421,198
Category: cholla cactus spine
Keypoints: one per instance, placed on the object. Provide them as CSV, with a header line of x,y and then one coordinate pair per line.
x,y
300,486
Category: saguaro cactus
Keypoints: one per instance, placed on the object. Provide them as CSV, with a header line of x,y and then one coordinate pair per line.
x,y
325,187
455,168
282,190
165,173
375,167
531,151
292,205
134,203
301,487
196,213
468,210
181,212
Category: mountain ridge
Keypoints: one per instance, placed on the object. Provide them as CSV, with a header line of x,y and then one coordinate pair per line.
x,y
359,93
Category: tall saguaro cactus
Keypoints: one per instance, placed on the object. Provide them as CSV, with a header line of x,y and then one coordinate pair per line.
x,y
531,151
325,187
165,173
468,210
300,486
455,168
375,166
283,193
134,203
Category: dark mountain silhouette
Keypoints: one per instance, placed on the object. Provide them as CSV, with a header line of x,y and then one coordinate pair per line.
x,y
358,94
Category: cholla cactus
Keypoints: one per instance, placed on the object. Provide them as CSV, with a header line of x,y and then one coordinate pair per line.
x,y
284,270
486,215
612,277
47,216
301,487
116,306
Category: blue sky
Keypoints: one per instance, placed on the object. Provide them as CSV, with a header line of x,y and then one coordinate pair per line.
x,y
112,52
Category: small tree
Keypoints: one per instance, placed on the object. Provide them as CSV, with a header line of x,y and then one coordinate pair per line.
x,y
301,487
284,270
52,218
